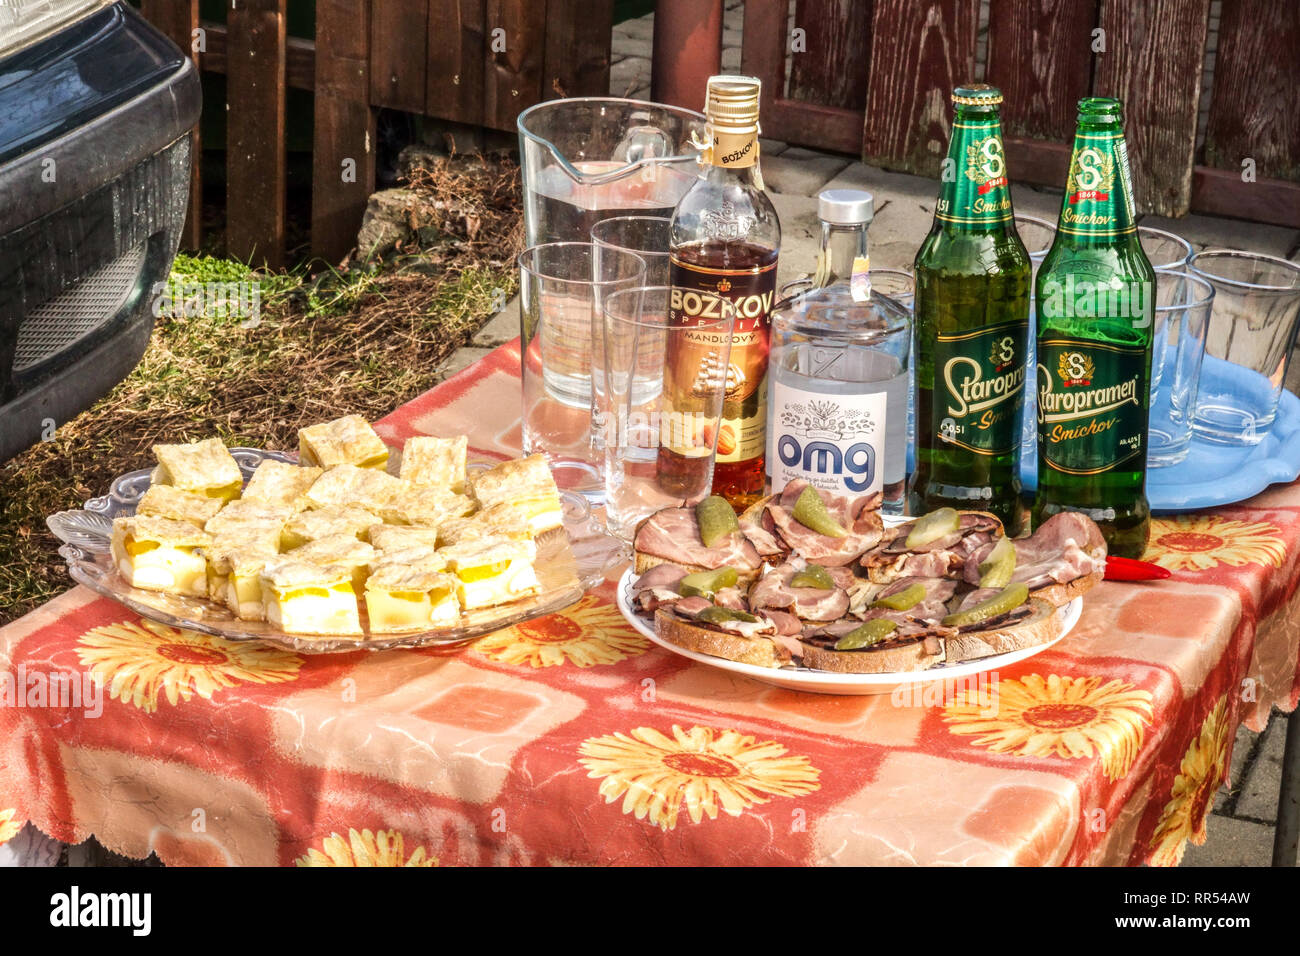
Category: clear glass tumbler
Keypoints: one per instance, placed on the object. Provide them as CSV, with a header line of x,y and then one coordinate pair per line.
x,y
1181,317
1164,249
559,300
1248,345
666,384
647,236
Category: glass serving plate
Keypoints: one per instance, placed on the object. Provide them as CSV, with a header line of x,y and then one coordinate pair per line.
x,y
569,561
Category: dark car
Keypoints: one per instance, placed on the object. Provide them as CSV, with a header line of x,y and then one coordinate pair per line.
x,y
96,107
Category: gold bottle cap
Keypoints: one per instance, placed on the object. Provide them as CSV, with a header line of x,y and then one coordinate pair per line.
x,y
732,102
977,94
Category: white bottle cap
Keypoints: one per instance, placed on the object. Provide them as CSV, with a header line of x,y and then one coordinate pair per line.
x,y
845,207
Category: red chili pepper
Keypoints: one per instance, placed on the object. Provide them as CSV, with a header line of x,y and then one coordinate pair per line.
x,y
1126,569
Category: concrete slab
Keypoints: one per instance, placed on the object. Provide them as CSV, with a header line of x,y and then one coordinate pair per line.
x,y
731,59
633,46
1232,842
640,28
800,236
629,74
1205,232
885,184
771,147
499,329
801,171
461,359
1258,798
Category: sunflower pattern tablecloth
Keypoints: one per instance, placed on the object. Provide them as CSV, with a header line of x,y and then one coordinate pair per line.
x,y
573,740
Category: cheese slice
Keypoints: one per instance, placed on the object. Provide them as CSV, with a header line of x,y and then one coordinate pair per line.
x,y
160,554
205,468
345,441
437,463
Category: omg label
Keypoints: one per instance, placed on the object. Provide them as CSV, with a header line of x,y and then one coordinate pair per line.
x,y
979,388
1092,405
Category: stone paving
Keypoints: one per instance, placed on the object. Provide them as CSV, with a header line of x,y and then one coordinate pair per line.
x,y
1241,825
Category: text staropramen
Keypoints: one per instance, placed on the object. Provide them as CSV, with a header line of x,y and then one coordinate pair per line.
x,y
971,392
1064,406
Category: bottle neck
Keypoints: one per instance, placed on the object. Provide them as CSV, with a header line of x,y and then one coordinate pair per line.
x,y
1097,208
842,247
974,195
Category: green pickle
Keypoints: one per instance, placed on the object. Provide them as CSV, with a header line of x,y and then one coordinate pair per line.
x,y
716,518
810,511
997,568
717,615
707,583
872,632
1008,599
933,526
903,600
813,576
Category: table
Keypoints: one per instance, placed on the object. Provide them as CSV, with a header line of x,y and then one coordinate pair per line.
x,y
572,739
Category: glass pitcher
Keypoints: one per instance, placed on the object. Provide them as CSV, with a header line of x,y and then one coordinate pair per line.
x,y
593,158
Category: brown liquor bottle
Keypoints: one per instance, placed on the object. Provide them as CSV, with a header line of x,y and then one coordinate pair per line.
x,y
725,239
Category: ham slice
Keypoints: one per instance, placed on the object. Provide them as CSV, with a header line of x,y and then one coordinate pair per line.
x,y
674,535
1054,553
773,590
860,517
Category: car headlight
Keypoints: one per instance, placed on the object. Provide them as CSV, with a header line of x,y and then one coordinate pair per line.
x,y
25,21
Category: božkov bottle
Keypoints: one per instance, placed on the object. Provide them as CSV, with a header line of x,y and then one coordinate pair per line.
x,y
725,237
969,335
1096,298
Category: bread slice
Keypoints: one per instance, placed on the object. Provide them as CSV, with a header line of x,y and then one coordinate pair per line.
x,y
759,651
913,656
1041,627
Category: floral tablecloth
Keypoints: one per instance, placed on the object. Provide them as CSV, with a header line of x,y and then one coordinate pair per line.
x,y
573,740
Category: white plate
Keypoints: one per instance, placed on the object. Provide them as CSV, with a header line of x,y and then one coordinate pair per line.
x,y
828,682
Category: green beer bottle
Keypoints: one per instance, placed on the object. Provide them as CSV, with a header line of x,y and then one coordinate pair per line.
x,y
972,320
1096,296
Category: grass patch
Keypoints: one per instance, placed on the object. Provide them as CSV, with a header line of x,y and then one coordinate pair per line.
x,y
363,341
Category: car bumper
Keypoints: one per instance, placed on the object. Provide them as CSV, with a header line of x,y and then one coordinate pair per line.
x,y
103,196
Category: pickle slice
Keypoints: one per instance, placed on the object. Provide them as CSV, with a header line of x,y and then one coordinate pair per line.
x,y
1008,599
810,511
813,576
716,615
903,600
872,632
933,526
997,568
716,518
707,583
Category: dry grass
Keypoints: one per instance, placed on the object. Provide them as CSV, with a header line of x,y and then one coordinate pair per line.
x,y
362,341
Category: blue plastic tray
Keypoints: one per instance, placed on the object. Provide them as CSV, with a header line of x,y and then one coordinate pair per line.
x,y
1212,474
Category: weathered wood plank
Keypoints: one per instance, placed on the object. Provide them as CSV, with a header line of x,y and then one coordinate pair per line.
x,y
516,36
399,54
255,162
1040,56
1222,192
1253,113
921,50
831,68
299,56
578,35
1152,62
456,50
178,19
343,148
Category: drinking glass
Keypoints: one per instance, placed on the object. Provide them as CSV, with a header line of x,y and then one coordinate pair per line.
x,y
1038,236
646,236
560,292
1252,326
1164,249
1181,317
665,385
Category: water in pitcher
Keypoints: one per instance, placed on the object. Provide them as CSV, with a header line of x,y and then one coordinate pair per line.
x,y
566,209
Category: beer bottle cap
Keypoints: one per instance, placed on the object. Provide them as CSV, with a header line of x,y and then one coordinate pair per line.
x,y
845,207
977,94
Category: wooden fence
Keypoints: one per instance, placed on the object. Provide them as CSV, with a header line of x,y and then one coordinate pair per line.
x,y
470,61
872,77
